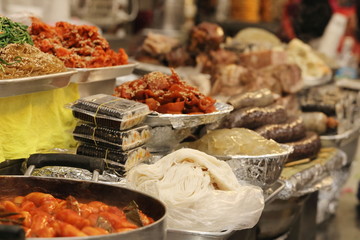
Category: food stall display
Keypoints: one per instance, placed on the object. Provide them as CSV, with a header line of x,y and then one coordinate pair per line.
x,y
264,127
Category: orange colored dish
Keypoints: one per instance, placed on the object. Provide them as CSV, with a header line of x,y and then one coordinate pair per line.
x,y
43,215
166,94
78,46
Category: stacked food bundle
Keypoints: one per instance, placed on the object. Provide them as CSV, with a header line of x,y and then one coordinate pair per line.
x,y
111,128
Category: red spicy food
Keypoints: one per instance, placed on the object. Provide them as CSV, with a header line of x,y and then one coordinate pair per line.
x,y
166,94
78,46
42,215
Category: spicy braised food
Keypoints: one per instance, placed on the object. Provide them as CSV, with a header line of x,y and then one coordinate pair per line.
x,y
166,94
78,46
43,215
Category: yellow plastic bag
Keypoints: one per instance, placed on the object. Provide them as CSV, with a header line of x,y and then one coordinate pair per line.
x,y
35,122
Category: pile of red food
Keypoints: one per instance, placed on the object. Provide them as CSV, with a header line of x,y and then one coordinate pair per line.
x,y
42,215
78,46
166,94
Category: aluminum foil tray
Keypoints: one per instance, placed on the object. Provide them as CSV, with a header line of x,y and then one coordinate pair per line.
x,y
19,86
310,177
102,73
262,170
189,120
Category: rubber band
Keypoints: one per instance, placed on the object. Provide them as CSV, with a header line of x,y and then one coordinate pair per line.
x,y
101,105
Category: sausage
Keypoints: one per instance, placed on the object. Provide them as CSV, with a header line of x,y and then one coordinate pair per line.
x,y
260,98
255,117
291,130
307,147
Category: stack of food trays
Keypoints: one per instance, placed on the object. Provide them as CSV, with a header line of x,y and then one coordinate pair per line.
x,y
111,128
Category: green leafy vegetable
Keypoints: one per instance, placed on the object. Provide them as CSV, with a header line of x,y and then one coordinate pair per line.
x,y
13,32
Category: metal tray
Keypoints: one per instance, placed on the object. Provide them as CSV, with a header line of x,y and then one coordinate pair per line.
x,y
19,86
102,73
262,170
189,120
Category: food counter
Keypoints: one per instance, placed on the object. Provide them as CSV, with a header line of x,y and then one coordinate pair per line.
x,y
216,165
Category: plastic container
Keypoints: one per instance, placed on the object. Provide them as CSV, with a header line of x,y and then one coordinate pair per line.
x,y
106,137
110,111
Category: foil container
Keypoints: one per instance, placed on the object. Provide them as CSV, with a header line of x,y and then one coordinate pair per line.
x,y
310,177
178,121
262,170
108,176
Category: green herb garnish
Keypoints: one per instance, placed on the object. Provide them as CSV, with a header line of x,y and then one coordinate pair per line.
x,y
13,32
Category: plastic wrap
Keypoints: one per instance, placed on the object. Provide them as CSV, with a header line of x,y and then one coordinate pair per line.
x,y
109,111
190,183
306,178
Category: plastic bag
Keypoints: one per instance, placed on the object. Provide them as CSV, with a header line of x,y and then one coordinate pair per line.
x,y
201,193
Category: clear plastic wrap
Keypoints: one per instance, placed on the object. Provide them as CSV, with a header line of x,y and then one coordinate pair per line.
x,y
110,111
129,158
106,137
